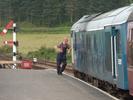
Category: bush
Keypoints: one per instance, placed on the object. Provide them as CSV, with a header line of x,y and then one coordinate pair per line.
x,y
45,53
5,49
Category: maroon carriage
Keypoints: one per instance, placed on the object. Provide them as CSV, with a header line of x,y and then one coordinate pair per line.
x,y
130,56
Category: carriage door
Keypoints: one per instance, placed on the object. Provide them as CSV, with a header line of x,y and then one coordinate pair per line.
x,y
115,51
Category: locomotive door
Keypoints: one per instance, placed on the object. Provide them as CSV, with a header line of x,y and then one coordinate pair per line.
x,y
115,51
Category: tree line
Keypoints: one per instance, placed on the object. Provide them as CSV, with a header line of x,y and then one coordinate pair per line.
x,y
54,12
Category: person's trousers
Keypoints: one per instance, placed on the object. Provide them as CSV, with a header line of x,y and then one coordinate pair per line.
x,y
61,65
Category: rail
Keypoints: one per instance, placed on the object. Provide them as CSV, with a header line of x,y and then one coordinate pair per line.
x,y
45,64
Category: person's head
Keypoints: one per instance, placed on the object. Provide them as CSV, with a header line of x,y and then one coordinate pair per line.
x,y
65,40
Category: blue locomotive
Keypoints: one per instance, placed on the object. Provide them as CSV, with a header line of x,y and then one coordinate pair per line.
x,y
102,47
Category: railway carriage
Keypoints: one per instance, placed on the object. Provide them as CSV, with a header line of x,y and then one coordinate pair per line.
x,y
102,47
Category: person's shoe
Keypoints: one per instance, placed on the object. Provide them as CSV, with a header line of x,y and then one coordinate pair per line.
x,y
61,73
58,73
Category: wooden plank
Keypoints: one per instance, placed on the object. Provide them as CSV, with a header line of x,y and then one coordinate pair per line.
x,y
10,62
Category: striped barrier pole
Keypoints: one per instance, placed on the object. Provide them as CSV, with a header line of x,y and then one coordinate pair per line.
x,y
14,45
14,42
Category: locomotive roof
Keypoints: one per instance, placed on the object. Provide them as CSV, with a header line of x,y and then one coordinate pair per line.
x,y
81,24
99,21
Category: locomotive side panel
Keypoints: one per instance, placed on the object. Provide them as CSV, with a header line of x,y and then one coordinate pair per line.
x,y
99,56
93,54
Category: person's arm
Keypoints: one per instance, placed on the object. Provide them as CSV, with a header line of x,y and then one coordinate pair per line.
x,y
58,48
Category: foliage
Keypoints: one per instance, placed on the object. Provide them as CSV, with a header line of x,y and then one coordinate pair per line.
x,y
53,12
5,49
36,42
26,24
45,53
31,39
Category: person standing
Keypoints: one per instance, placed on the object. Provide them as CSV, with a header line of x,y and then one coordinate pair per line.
x,y
61,59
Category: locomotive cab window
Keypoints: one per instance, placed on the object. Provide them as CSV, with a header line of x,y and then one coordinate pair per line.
x,y
130,48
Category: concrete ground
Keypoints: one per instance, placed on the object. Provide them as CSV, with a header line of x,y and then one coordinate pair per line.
x,y
44,85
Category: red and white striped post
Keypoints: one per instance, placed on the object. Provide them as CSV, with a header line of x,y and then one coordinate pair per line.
x,y
8,26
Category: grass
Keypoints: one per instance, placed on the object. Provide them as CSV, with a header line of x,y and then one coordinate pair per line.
x,y
38,42
32,39
40,30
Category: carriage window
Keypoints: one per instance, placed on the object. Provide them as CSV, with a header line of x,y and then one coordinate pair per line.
x,y
130,48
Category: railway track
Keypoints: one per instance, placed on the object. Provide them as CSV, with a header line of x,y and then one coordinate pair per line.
x,y
44,64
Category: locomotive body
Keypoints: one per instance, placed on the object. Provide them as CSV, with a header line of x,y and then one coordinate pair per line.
x,y
101,47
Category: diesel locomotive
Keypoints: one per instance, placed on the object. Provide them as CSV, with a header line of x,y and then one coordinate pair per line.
x,y
102,47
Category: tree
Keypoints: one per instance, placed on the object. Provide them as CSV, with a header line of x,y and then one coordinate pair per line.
x,y
54,12
130,1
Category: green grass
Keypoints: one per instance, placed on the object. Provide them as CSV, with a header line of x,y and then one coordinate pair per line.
x,y
38,42
32,39
46,53
40,30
